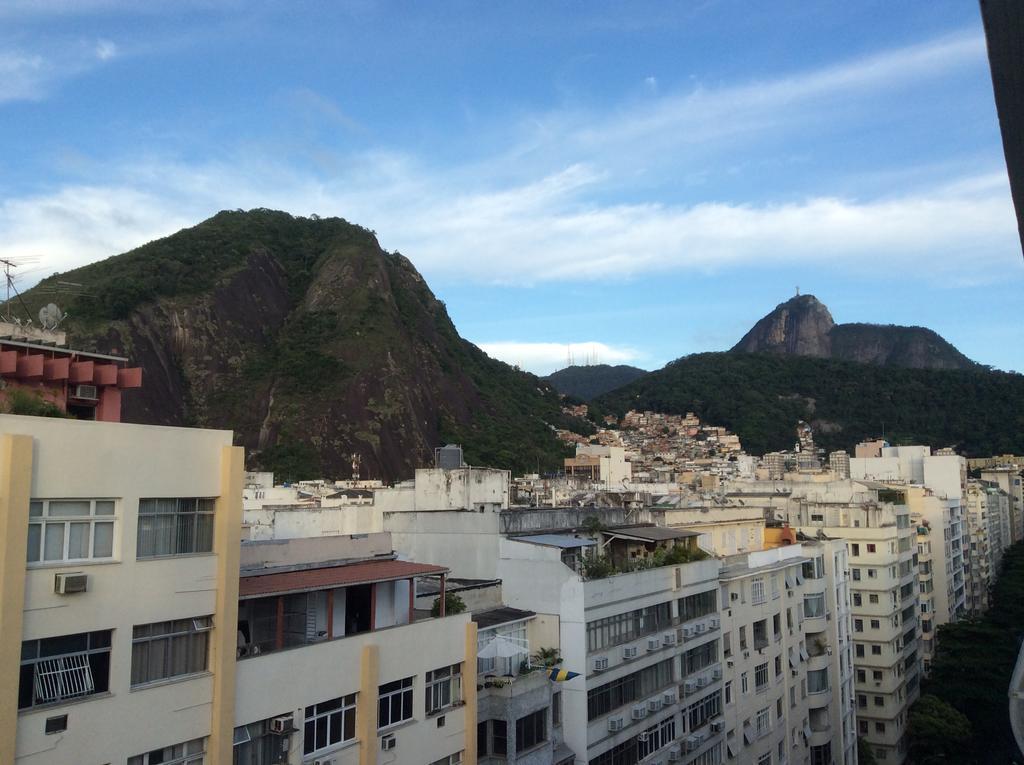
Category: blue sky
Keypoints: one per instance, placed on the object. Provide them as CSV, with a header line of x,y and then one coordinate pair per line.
x,y
637,180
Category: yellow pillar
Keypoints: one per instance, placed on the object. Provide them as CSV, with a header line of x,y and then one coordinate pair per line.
x,y
469,694
227,540
366,705
15,488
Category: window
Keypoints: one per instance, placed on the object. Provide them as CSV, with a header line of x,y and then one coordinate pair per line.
x,y
861,676
743,682
329,723
854,550
70,529
695,606
451,759
700,657
743,637
777,626
394,704
760,633
858,649
876,650
817,681
189,753
875,624
491,736
862,701
444,688
873,598
698,713
871,548
169,649
877,675
556,709
764,721
255,744
61,668
531,730
728,691
656,737
621,628
858,625
857,599
175,526
761,677
872,573
765,759
757,591
879,701
822,755
879,727
778,666
855,572
814,606
862,727
634,686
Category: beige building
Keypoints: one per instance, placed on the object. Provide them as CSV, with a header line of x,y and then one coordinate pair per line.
x,y
605,464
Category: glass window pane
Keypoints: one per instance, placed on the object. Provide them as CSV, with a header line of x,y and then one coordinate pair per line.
x,y
35,508
60,508
54,542
35,534
104,507
78,540
103,540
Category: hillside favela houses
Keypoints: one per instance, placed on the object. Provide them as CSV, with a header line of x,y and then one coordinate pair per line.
x,y
665,598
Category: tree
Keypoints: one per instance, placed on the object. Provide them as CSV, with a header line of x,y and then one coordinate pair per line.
x,y
938,732
453,604
865,754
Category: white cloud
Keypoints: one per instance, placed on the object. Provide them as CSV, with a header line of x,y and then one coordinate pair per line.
x,y
545,358
30,76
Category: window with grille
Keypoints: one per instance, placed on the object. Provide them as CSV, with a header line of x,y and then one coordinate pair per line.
x,y
190,753
764,721
698,713
62,668
70,530
175,526
169,649
761,677
757,591
443,688
658,736
451,759
394,703
329,723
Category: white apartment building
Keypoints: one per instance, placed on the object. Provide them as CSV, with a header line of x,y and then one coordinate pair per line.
x,y
1009,479
121,593
946,540
988,519
875,522
789,677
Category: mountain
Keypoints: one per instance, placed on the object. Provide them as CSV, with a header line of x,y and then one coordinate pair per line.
x,y
803,326
312,343
587,382
761,396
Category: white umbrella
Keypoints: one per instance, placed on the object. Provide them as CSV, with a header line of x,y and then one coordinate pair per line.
x,y
501,647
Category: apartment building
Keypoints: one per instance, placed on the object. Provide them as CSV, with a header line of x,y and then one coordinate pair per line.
x,y
1009,479
143,632
986,509
945,541
605,464
874,519
786,643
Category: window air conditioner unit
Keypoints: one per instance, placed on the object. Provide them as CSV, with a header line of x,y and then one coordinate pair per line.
x,y
281,726
67,584
675,754
715,622
702,681
643,736
716,673
701,628
688,632
653,644
614,724
86,392
669,638
654,705
717,726
600,663
388,742
323,761
668,699
629,652
691,743
639,712
690,686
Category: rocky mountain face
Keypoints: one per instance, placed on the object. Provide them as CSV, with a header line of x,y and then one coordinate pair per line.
x,y
587,382
319,349
803,326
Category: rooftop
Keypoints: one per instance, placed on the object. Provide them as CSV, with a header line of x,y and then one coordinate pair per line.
x,y
307,580
492,617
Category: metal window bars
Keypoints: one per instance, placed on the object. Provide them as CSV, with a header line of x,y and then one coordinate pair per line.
x,y
65,677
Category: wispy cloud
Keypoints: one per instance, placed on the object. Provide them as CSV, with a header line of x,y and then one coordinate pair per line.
x,y
545,358
30,76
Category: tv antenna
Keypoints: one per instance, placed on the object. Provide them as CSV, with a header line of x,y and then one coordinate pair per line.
x,y
8,265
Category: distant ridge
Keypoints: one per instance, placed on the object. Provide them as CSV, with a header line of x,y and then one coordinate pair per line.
x,y
803,326
587,382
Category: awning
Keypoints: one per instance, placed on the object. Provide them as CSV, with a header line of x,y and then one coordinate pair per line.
x,y
807,731
564,541
748,733
794,658
733,747
651,533
803,653
327,578
501,647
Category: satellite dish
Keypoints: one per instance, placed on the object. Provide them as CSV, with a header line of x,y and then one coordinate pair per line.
x,y
50,316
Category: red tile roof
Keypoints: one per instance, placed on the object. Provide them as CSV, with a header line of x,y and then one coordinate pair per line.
x,y
334,576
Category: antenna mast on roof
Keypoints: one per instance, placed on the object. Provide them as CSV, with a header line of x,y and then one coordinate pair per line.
x,y
8,264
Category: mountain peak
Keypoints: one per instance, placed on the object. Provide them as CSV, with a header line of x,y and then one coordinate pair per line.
x,y
803,326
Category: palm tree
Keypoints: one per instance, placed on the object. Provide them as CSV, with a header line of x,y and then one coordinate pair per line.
x,y
547,657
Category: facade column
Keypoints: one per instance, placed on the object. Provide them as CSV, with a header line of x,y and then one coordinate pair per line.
x,y
469,694
15,492
227,543
366,705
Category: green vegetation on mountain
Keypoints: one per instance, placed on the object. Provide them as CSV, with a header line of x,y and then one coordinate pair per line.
x,y
762,396
317,347
587,382
971,672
